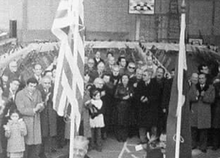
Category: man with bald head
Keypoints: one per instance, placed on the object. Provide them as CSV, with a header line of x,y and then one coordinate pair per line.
x,y
48,115
11,71
193,79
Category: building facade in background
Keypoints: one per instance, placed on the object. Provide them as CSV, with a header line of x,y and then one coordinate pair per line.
x,y
109,20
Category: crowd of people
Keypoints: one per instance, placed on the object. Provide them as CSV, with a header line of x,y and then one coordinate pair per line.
x,y
135,100
122,98
28,121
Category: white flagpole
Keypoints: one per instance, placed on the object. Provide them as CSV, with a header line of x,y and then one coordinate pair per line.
x,y
74,16
181,67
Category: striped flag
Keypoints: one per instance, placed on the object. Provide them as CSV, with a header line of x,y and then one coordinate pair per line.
x,y
178,126
68,27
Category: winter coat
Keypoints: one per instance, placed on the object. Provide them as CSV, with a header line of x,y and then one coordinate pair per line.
x,y
201,106
216,107
25,104
48,115
148,111
15,135
123,105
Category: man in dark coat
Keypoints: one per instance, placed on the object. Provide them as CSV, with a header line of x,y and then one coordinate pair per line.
x,y
216,117
160,79
12,71
8,96
107,99
48,115
98,59
148,102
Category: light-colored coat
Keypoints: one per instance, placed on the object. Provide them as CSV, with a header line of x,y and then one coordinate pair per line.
x,y
25,104
201,107
15,135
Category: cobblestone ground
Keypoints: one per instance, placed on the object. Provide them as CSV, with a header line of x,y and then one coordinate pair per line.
x,y
113,149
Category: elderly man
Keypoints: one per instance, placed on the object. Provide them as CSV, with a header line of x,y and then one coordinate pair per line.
x,y
38,72
98,73
29,103
48,115
193,79
12,70
8,96
90,66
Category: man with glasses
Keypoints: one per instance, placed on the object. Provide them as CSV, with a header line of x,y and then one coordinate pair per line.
x,y
131,69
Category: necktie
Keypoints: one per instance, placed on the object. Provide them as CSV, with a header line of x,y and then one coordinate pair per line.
x,y
202,85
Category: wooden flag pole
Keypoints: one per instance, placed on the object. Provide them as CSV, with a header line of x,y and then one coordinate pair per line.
x,y
181,62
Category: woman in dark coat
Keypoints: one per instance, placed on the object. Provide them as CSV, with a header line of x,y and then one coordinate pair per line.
x,y
147,96
123,95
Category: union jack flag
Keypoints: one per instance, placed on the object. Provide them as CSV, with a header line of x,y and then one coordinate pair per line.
x,y
68,27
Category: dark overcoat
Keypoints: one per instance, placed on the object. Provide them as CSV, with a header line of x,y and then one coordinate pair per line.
x,y
216,107
123,105
48,115
148,111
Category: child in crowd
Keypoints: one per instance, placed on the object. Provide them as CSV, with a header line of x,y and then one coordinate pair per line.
x,y
15,130
96,120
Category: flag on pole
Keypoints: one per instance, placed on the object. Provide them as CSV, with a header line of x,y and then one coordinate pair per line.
x,y
68,27
178,126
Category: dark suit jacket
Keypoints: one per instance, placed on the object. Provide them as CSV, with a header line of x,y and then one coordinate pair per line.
x,y
48,115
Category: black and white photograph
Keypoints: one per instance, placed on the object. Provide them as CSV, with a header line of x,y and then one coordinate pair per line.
x,y
109,79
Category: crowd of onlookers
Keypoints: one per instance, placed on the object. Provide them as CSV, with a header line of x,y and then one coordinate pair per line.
x,y
122,98
28,123
135,99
